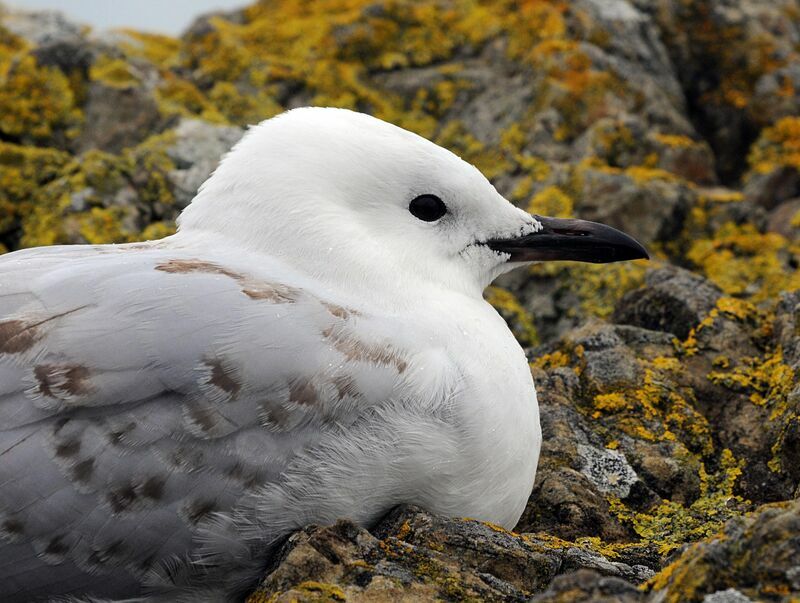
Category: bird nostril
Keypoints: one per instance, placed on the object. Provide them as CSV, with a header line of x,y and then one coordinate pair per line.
x,y
571,233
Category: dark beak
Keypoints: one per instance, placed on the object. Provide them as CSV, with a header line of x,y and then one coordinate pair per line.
x,y
577,240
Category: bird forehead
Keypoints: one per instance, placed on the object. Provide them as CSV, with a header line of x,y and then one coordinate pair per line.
x,y
345,136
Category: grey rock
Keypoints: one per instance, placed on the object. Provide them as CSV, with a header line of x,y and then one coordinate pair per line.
x,y
654,210
197,149
673,301
57,41
203,24
780,219
78,200
118,118
414,553
494,92
588,585
729,595
787,327
771,189
41,27
793,575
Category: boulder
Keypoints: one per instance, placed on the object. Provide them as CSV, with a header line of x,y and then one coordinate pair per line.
x,y
196,152
673,300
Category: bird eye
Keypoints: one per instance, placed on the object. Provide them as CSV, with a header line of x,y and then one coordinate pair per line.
x,y
428,208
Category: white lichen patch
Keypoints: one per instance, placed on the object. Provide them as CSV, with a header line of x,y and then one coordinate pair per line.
x,y
608,470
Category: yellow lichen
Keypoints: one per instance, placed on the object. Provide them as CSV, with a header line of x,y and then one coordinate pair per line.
x,y
674,140
518,318
742,261
778,146
113,72
330,591
551,201
36,102
556,359
671,525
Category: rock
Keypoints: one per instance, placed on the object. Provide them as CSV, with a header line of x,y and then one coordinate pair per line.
x,y
755,558
787,327
608,470
196,151
772,188
590,586
118,118
57,41
624,200
673,301
413,555
726,51
729,595
41,28
628,140
203,25
783,219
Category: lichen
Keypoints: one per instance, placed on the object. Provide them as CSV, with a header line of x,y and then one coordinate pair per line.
x,y
552,201
37,103
519,319
657,410
670,525
114,72
597,287
777,146
743,261
328,591
24,171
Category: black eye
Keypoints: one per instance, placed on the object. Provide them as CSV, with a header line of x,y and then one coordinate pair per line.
x,y
428,208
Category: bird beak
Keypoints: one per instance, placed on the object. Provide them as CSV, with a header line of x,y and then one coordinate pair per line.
x,y
578,240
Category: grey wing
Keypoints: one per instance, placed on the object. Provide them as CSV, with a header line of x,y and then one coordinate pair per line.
x,y
143,392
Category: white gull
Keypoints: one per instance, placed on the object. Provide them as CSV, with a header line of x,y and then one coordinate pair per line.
x,y
312,344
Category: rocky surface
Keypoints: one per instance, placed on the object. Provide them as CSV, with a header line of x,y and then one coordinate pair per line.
x,y
411,555
668,389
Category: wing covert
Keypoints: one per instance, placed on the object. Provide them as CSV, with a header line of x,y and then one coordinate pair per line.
x,y
143,389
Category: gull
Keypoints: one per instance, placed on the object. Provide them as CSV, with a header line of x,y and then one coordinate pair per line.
x,y
311,344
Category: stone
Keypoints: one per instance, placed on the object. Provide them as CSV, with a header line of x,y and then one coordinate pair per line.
x,y
590,586
783,219
118,118
58,42
673,300
608,470
197,149
616,198
759,555
413,555
774,187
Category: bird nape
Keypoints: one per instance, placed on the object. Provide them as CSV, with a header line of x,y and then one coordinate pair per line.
x,y
312,344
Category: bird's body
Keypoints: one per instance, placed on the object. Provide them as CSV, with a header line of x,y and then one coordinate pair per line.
x,y
170,410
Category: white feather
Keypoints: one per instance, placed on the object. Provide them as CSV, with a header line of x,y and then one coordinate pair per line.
x,y
302,350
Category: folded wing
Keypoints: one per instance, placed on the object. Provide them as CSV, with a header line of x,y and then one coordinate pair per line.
x,y
145,390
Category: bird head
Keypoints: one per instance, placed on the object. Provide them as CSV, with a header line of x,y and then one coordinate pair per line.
x,y
343,195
